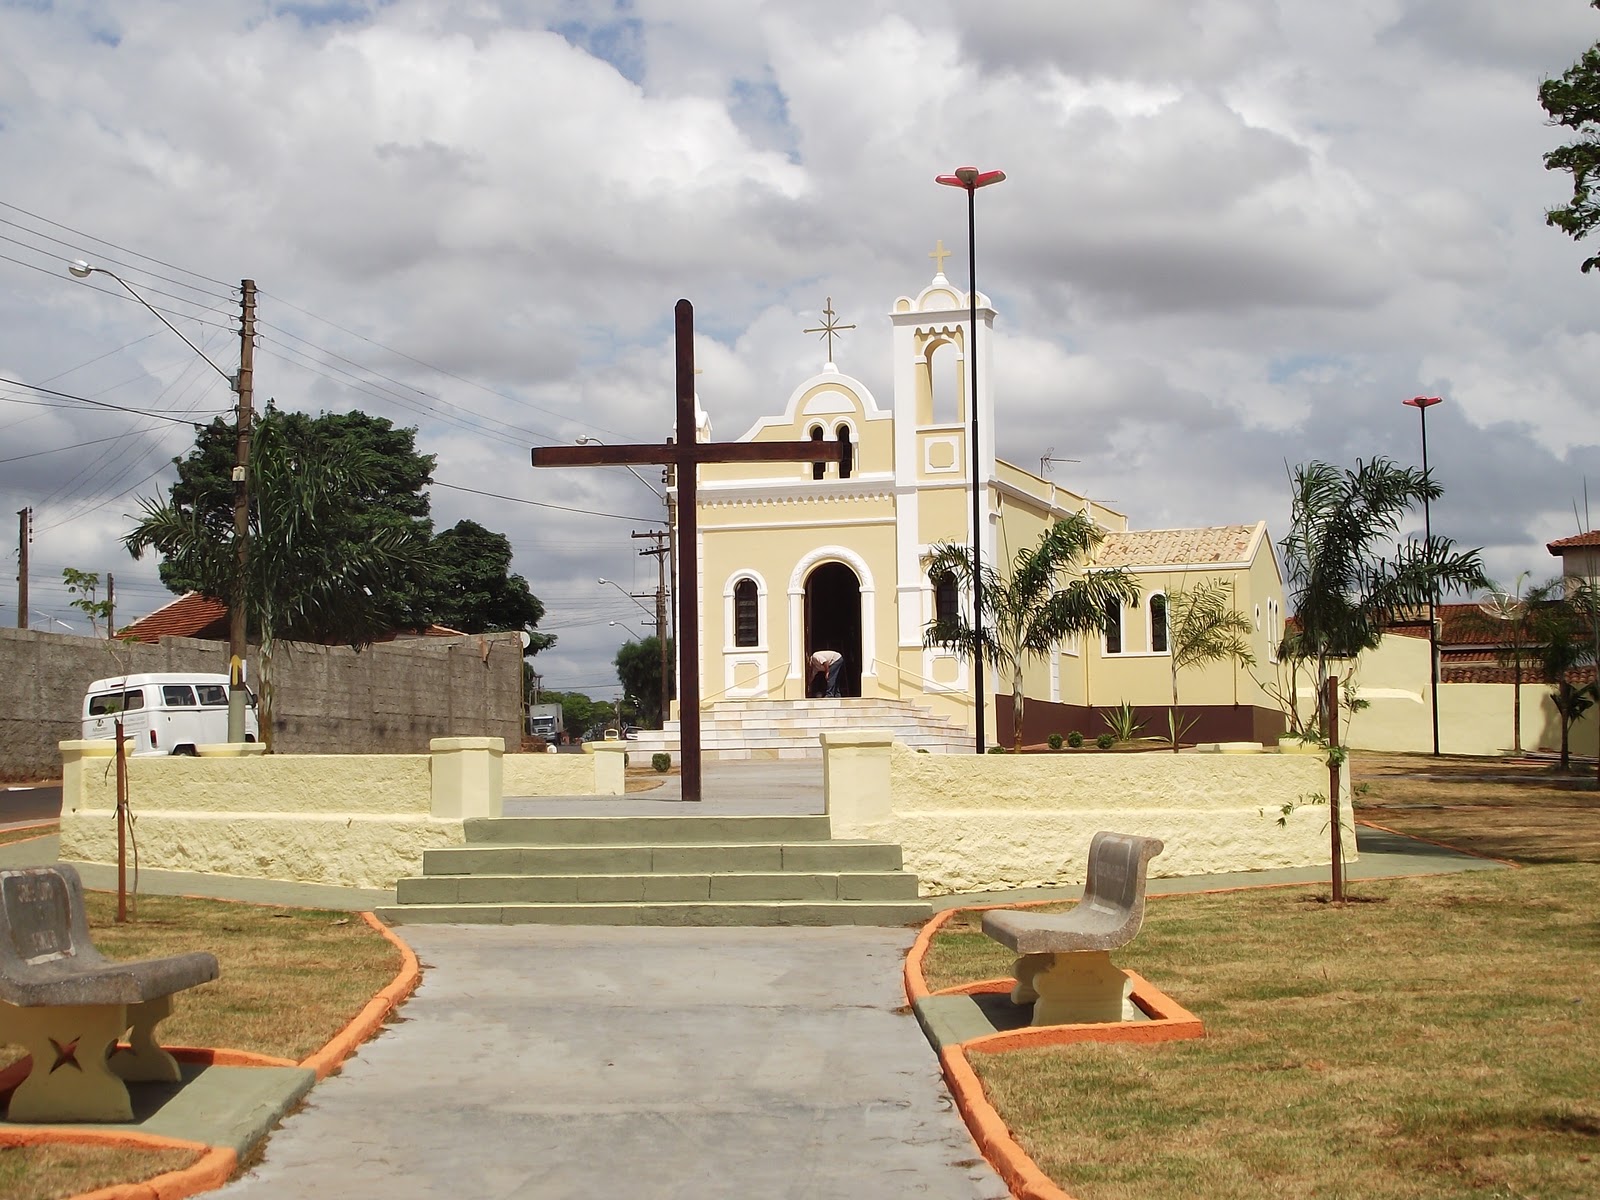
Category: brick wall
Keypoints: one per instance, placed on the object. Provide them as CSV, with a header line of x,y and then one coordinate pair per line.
x,y
389,698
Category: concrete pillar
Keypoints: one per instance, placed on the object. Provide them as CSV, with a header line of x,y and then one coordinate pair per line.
x,y
610,767
855,779
74,754
467,776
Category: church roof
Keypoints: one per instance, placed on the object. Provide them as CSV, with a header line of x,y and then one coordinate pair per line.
x,y
1211,545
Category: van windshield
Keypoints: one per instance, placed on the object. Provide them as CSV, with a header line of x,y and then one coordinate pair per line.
x,y
108,703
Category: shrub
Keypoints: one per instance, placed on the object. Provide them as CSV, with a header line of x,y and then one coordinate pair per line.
x,y
1105,741
997,750
1074,739
1054,741
660,760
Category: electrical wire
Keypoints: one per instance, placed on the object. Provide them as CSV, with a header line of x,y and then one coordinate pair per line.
x,y
587,512
159,414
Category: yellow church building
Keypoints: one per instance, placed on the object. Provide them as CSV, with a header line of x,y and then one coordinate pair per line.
x,y
799,557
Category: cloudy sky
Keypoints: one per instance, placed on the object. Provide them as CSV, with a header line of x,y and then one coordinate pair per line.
x,y
1235,235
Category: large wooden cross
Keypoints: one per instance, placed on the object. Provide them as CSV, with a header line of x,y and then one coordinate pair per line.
x,y
686,455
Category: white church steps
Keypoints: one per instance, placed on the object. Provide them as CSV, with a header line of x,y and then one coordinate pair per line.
x,y
714,870
789,729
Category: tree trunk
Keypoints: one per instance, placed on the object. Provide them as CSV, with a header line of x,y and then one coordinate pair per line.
x,y
1516,702
1016,707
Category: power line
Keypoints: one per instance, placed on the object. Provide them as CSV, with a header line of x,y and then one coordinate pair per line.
x,y
61,449
113,245
141,412
587,512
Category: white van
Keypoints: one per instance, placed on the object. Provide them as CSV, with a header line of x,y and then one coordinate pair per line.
x,y
163,714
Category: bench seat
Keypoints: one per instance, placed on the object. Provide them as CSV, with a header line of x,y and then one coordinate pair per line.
x,y
1063,965
70,1006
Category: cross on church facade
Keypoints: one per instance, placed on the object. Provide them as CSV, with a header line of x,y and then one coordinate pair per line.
x,y
686,454
829,328
939,254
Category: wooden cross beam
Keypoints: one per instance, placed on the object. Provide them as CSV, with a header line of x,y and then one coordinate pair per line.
x,y
686,455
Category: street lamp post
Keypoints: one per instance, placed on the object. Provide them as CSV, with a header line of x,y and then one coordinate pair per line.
x,y
1422,404
243,385
971,179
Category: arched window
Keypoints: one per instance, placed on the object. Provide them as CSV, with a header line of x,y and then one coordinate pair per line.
x,y
847,452
817,468
1113,626
946,604
1158,624
746,614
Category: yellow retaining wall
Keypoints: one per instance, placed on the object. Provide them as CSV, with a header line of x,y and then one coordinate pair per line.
x,y
994,822
357,820
598,771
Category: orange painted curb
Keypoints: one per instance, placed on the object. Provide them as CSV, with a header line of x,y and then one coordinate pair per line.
x,y
916,983
1021,1173
325,1061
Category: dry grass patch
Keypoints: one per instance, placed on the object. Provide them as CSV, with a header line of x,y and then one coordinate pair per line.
x,y
53,1172
1526,811
1439,1040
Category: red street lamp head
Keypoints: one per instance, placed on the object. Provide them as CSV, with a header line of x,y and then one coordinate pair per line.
x,y
970,178
1423,401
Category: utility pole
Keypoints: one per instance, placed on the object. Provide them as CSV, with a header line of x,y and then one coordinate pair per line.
x,y
24,536
111,605
660,550
244,385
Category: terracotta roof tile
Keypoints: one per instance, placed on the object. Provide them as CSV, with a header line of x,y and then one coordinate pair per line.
x,y
1136,548
190,615
1592,538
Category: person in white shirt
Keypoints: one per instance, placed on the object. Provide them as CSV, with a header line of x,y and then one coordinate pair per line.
x,y
828,663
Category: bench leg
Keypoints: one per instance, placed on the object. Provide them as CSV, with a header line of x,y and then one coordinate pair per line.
x,y
1081,987
141,1060
70,1080
1023,971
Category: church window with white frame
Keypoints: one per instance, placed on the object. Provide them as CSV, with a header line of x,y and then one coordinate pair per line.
x,y
746,614
946,599
1157,608
1113,630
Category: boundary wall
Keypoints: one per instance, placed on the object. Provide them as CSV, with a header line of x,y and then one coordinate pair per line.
x,y
975,823
355,820
391,697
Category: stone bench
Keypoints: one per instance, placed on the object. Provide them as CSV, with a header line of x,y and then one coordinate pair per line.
x,y
1064,960
70,1006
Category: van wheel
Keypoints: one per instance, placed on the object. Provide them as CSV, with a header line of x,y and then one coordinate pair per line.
x,y
249,737
184,751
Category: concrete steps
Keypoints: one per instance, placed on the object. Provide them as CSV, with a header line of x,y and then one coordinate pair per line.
x,y
789,729
674,870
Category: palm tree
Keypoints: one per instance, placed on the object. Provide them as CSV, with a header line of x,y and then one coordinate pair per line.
x,y
295,583
1204,627
1047,596
1562,627
1342,589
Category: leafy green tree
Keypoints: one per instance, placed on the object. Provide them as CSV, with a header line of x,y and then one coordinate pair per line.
x,y
85,589
639,669
298,583
579,714
472,588
1046,596
383,501
1203,627
1573,102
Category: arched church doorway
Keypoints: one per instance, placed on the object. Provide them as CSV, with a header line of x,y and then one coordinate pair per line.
x,y
833,621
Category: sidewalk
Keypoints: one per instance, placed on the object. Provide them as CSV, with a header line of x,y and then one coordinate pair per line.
x,y
550,1061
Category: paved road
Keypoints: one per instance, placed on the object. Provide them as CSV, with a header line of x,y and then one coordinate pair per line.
x,y
541,1062
28,805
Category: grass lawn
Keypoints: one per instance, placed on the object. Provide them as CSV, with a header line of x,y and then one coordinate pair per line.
x,y
291,979
7,836
1437,1038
